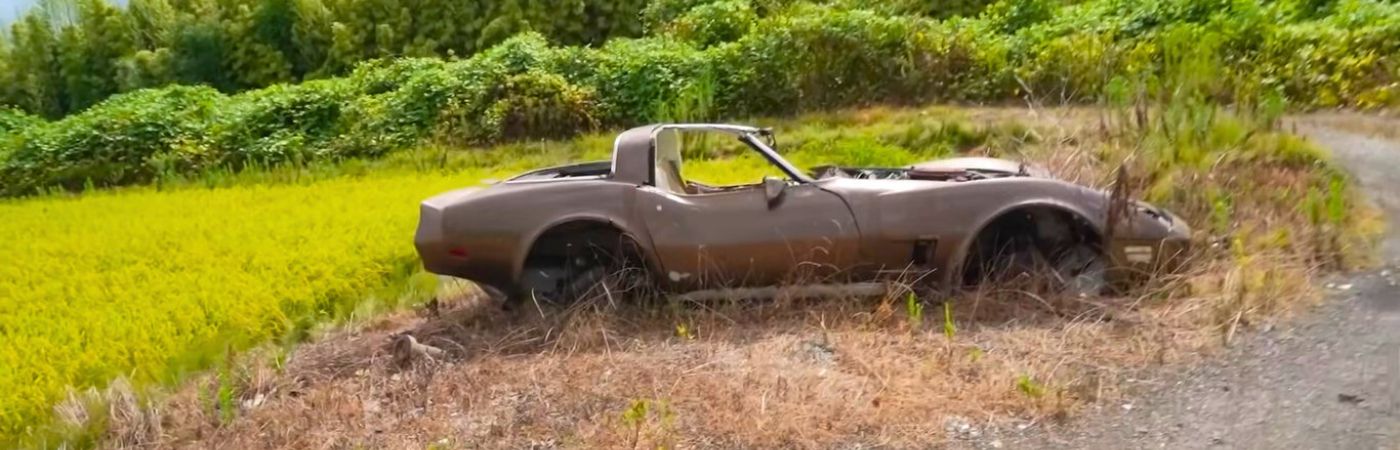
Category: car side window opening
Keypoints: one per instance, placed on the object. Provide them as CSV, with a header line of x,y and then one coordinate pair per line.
x,y
668,162
745,169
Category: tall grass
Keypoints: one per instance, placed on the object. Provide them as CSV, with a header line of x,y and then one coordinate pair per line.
x,y
152,284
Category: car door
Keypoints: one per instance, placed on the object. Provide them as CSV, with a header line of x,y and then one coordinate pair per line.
x,y
737,238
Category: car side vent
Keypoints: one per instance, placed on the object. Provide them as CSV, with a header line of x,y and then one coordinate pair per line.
x,y
923,250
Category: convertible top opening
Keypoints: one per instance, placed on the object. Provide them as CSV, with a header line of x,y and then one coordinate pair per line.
x,y
593,169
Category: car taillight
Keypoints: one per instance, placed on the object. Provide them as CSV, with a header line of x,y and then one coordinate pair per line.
x,y
460,252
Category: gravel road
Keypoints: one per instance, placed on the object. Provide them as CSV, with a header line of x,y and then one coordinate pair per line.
x,y
1330,380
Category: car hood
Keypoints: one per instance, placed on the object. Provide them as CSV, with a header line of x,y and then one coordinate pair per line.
x,y
951,169
980,164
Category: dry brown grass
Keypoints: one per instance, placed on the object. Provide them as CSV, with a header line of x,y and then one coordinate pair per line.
x,y
122,419
787,373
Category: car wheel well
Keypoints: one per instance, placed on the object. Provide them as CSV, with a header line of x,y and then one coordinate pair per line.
x,y
568,258
556,238
1045,230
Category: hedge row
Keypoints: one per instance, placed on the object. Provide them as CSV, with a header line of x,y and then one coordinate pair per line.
x,y
727,59
66,55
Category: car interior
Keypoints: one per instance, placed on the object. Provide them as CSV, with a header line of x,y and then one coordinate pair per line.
x,y
668,144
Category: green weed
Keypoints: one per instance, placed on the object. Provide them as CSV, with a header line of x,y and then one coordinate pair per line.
x,y
645,416
913,311
950,330
1029,387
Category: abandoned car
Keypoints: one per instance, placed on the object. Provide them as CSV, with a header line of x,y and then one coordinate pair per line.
x,y
556,233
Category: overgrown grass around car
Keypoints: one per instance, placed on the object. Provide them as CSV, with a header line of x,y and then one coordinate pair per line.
x,y
1270,214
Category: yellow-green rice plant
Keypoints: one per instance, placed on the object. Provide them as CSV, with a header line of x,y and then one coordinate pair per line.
x,y
150,284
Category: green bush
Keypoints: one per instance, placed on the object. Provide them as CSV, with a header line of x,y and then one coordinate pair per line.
x,y
281,124
13,120
940,9
64,56
659,13
718,59
822,57
1347,59
538,105
1007,16
713,23
381,121
130,138
633,78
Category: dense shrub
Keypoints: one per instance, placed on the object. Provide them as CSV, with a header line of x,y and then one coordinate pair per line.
x,y
825,57
717,59
431,97
1007,16
13,120
636,77
386,119
129,138
538,105
12,123
1316,59
1349,58
67,55
713,23
660,13
941,9
280,124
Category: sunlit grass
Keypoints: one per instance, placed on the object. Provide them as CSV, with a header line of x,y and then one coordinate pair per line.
x,y
150,284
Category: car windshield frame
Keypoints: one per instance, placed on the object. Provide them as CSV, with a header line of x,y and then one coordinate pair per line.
x,y
750,136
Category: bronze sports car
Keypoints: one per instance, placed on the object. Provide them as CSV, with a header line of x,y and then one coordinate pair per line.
x,y
555,233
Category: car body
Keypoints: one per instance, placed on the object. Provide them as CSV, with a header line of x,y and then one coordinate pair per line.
x,y
940,219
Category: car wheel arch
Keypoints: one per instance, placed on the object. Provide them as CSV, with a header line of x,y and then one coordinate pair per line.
x,y
532,240
958,259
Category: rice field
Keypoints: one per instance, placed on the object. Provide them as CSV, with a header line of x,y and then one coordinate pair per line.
x,y
151,284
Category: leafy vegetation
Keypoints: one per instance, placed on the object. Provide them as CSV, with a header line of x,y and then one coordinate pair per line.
x,y
67,55
701,60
